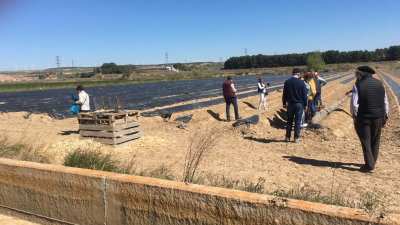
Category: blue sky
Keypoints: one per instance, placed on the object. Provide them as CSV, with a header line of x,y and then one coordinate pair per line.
x,y
33,32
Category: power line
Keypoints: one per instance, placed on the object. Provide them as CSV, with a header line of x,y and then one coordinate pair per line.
x,y
166,57
72,64
245,51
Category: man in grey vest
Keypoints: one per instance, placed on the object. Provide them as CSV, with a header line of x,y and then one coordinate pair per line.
x,y
370,110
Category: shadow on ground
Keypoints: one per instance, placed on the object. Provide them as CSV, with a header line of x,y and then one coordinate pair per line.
x,y
215,115
279,122
68,132
263,140
250,105
341,110
323,163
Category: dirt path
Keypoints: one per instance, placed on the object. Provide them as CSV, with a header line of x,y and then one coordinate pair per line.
x,y
326,160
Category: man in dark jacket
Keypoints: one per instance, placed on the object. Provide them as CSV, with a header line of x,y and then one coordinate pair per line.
x,y
228,90
295,94
370,110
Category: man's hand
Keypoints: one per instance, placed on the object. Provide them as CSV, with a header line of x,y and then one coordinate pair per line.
x,y
384,121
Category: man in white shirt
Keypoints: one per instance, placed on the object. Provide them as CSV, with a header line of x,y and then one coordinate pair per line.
x,y
83,99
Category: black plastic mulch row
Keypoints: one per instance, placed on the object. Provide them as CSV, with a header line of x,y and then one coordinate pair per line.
x,y
393,85
219,100
135,96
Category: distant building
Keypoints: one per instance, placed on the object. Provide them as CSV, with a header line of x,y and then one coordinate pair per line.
x,y
145,68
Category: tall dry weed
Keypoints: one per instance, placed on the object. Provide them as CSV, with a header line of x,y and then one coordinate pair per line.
x,y
200,144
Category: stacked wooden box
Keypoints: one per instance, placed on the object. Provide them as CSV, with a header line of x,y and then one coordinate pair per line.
x,y
111,128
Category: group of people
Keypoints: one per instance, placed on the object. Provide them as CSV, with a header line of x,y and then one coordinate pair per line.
x,y
369,108
302,94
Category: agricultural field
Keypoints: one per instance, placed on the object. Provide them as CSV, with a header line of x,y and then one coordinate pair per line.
x,y
324,167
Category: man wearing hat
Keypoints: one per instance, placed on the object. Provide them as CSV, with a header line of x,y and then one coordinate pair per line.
x,y
370,110
295,94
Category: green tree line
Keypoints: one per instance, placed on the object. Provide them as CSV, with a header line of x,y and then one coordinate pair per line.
x,y
329,57
112,68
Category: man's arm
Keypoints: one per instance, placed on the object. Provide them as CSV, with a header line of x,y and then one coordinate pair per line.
x,y
284,95
386,106
322,81
354,102
233,88
305,96
81,99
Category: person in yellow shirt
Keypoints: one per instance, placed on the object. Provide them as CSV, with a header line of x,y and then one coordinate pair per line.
x,y
310,81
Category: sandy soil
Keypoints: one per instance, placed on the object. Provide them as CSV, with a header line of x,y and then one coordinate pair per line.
x,y
326,160
7,220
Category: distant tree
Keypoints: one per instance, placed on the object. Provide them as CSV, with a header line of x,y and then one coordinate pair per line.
x,y
315,61
109,68
331,57
394,52
178,66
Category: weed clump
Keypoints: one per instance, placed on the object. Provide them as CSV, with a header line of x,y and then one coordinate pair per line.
x,y
90,159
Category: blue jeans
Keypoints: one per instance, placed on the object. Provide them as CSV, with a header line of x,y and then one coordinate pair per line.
x,y
319,99
228,102
294,112
314,104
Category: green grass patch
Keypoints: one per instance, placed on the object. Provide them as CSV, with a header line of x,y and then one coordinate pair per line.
x,y
90,159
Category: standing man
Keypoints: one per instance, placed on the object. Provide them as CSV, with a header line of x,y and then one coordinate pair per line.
x,y
228,90
83,99
295,94
370,110
322,82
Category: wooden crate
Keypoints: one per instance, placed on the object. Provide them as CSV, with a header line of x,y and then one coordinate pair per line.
x,y
116,129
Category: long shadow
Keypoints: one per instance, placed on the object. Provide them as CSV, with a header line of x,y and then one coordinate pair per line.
x,y
279,122
215,115
68,132
342,110
263,140
250,105
322,163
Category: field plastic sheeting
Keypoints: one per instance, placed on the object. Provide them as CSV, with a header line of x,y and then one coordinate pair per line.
x,y
141,96
393,85
243,87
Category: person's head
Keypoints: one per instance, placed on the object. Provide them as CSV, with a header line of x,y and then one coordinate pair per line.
x,y
79,88
364,70
311,71
316,74
296,72
260,79
307,77
229,78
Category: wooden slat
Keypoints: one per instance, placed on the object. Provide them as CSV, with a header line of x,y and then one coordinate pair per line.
x,y
121,133
111,127
128,138
115,141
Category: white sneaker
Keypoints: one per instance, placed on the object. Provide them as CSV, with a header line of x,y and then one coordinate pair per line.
x,y
304,125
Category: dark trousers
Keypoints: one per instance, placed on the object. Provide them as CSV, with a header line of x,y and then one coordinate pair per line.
x,y
228,102
369,132
294,112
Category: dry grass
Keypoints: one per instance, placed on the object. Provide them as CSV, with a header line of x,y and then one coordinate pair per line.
x,y
200,144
